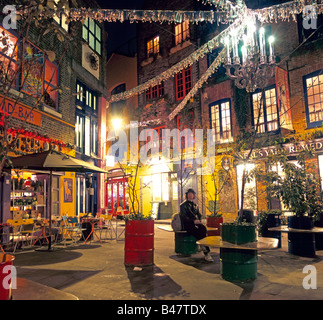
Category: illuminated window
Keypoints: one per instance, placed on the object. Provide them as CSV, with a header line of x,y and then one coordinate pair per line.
x,y
8,50
250,197
155,92
267,106
92,34
86,126
313,86
153,46
183,83
220,116
182,32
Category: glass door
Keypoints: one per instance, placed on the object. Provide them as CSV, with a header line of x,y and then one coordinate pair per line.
x,y
117,197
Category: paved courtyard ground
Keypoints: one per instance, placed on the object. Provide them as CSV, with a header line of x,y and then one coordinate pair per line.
x,y
96,272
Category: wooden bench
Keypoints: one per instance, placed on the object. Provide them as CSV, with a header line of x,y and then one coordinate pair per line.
x,y
184,243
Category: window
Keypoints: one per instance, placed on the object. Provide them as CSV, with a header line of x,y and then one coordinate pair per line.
x,y
50,84
155,92
220,117
39,75
55,196
267,106
250,190
160,186
85,97
182,32
8,50
86,121
154,143
313,86
183,83
152,46
92,34
61,19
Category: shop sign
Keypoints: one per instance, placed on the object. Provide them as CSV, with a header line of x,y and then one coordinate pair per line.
x,y
290,149
20,112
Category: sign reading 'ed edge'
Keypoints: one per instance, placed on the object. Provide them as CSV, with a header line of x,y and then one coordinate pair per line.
x,y
19,111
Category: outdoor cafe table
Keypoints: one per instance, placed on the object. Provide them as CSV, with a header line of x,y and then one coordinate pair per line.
x,y
261,244
239,261
93,221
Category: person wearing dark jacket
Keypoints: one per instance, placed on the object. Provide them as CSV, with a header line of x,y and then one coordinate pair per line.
x,y
191,220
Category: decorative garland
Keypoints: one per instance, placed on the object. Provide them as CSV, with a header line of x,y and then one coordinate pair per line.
x,y
214,66
215,42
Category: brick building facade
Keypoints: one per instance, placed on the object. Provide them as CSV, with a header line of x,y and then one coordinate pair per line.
x,y
67,57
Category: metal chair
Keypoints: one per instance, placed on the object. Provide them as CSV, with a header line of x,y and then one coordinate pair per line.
x,y
107,225
15,235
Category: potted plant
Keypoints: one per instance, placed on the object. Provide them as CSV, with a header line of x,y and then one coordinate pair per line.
x,y
139,228
299,189
268,219
214,220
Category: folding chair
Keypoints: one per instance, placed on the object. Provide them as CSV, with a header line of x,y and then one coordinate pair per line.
x,y
29,232
107,225
4,236
15,235
73,229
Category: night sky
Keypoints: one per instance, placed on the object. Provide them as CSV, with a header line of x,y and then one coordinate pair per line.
x,y
121,36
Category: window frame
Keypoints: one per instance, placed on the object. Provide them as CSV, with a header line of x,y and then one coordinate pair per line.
x,y
187,85
219,103
11,60
87,112
179,36
48,85
86,29
155,92
306,95
264,106
155,48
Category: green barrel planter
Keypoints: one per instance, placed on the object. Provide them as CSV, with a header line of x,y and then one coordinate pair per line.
x,y
185,244
238,233
238,265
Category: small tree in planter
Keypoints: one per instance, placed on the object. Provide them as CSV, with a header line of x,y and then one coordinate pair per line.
x,y
139,228
299,189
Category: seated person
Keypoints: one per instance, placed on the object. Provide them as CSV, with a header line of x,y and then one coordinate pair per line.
x,y
191,220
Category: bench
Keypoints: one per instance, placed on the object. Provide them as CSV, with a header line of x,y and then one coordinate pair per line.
x,y
184,243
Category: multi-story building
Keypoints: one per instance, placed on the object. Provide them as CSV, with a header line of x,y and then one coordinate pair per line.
x,y
58,77
290,114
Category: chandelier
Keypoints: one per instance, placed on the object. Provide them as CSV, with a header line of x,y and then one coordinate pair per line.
x,y
252,71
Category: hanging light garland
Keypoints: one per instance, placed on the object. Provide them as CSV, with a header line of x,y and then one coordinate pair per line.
x,y
188,61
214,66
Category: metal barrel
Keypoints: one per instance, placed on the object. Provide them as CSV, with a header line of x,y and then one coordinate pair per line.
x,y
185,243
139,243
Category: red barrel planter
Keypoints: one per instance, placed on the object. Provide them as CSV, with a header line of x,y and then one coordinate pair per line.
x,y
5,293
139,243
214,222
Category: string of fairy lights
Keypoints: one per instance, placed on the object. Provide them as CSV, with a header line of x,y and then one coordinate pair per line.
x,y
236,15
